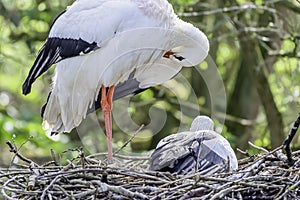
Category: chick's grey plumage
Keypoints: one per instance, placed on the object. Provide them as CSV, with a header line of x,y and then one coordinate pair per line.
x,y
194,150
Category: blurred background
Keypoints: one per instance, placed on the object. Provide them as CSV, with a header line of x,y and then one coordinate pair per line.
x,y
253,61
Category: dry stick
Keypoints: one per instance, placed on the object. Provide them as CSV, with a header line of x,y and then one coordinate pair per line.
x,y
130,139
120,190
224,192
61,189
4,186
257,147
289,139
188,177
145,188
49,186
143,175
133,157
296,152
55,179
31,181
15,151
163,192
245,153
120,156
193,192
83,194
264,157
54,157
82,158
29,198
13,189
292,187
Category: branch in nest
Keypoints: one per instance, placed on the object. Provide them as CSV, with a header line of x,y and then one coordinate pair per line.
x,y
257,147
16,152
288,140
128,141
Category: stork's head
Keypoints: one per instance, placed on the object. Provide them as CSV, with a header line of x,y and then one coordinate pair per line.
x,y
191,45
202,122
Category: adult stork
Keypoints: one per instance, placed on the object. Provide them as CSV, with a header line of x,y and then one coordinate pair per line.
x,y
107,49
192,151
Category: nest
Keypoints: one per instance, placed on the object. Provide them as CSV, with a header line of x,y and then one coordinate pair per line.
x,y
269,175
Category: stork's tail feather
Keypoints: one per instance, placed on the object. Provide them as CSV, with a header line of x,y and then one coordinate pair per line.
x,y
63,111
51,114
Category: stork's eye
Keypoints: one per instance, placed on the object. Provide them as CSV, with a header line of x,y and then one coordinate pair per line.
x,y
180,58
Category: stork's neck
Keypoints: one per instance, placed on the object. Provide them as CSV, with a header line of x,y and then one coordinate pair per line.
x,y
158,9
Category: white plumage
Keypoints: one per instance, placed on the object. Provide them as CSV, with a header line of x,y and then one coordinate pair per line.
x,y
130,44
192,151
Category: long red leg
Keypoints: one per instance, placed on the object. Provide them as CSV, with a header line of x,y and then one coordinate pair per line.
x,y
106,105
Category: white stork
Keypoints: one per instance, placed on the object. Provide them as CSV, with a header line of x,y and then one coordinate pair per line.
x,y
192,151
107,49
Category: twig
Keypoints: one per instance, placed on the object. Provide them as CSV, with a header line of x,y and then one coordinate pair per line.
x,y
120,156
54,157
288,140
257,147
54,180
19,155
130,139
4,186
223,192
245,153
292,187
121,190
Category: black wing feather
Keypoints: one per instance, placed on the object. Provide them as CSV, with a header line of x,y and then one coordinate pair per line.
x,y
54,50
29,80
